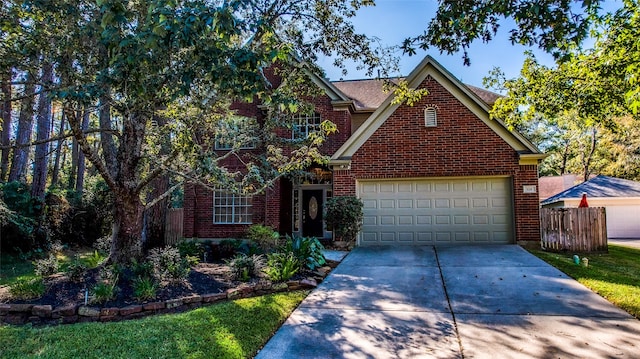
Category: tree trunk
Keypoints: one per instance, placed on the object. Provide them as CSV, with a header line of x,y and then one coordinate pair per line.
x,y
156,216
71,181
5,110
81,160
43,132
127,227
25,128
106,139
55,176
586,158
129,210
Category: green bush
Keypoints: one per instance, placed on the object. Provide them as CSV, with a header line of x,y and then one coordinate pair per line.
x,y
168,265
46,266
95,259
104,291
144,288
27,288
308,251
142,269
244,267
344,216
281,266
191,249
76,270
266,237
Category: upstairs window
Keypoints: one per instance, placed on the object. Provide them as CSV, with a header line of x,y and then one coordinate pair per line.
x,y
430,117
236,132
305,124
231,208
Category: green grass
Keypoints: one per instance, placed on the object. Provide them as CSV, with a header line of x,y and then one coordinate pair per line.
x,y
235,329
12,268
615,276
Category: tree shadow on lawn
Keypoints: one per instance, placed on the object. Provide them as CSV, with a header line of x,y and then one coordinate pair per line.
x,y
235,329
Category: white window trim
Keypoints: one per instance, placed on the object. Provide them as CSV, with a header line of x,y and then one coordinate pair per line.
x,y
304,125
241,207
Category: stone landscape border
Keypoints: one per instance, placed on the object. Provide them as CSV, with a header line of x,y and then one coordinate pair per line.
x,y
21,314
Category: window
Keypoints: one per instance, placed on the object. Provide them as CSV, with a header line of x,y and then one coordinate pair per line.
x,y
231,208
305,125
430,117
236,132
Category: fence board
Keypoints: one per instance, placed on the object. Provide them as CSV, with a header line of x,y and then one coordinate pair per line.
x,y
573,229
173,230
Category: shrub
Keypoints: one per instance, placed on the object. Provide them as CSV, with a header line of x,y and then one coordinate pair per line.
x,y
281,266
142,269
104,291
76,270
168,265
344,215
244,267
266,238
144,288
308,251
95,259
46,266
27,288
191,250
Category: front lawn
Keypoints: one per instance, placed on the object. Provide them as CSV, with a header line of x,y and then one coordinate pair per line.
x,y
12,268
615,276
235,329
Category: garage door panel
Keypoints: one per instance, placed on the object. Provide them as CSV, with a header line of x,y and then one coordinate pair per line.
x,y
406,237
405,187
387,220
437,211
443,237
369,220
462,236
389,237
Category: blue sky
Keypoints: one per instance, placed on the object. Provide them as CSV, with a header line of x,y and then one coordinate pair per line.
x,y
394,20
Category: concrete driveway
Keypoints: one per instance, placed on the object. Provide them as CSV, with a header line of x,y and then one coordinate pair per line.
x,y
456,302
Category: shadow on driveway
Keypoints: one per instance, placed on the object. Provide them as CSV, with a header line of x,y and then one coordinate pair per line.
x,y
455,302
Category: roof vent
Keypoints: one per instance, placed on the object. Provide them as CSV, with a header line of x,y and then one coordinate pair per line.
x,y
430,117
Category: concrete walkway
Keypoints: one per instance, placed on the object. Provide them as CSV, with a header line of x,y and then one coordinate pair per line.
x,y
458,302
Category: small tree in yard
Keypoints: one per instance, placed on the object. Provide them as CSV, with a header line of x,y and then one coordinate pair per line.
x,y
344,215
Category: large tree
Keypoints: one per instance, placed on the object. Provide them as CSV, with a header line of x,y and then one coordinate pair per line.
x,y
132,62
583,110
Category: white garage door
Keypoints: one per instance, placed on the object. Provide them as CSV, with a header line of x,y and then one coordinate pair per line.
x,y
623,221
440,211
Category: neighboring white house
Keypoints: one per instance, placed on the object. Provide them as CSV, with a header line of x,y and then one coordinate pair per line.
x,y
620,197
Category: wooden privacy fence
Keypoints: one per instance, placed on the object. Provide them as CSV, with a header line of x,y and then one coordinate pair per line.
x,y
173,226
574,229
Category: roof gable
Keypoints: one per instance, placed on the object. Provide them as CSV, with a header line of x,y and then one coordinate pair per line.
x,y
429,67
599,187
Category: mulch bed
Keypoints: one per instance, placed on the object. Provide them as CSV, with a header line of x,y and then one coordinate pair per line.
x,y
204,278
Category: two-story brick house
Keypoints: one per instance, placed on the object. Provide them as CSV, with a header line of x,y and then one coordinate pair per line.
x,y
440,171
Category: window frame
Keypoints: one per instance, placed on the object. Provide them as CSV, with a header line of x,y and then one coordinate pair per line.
x,y
305,124
238,208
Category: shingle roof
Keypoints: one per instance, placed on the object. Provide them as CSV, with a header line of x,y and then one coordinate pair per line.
x,y
599,187
369,95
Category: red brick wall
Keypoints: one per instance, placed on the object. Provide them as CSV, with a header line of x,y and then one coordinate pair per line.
x,y
267,207
460,145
